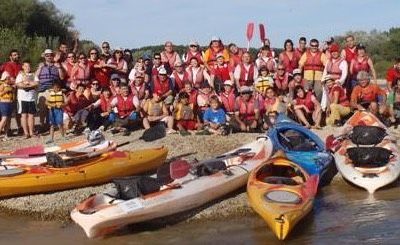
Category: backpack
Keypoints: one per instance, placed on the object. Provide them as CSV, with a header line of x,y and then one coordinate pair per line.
x,y
135,186
369,156
154,133
210,168
367,135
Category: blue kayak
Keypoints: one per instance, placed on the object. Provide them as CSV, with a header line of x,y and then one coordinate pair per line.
x,y
303,147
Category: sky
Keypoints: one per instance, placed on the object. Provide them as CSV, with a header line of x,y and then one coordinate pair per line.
x,y
133,24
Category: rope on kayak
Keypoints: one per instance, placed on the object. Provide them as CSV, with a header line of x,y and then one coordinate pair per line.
x,y
246,170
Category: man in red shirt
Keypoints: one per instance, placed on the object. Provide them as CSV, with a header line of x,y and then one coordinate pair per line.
x,y
13,67
393,73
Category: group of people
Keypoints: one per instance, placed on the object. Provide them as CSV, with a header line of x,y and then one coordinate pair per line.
x,y
219,90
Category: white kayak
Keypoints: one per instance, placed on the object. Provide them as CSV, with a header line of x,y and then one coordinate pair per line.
x,y
354,162
101,214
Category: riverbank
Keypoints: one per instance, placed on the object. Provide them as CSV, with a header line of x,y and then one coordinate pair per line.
x,y
57,205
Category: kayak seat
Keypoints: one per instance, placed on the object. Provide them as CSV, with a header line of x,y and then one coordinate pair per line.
x,y
369,157
135,186
277,180
367,135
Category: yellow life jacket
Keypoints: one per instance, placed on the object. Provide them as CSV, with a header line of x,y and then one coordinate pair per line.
x,y
155,109
184,112
9,92
55,99
263,83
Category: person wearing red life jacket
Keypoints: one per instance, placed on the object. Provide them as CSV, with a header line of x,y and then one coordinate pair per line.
x,y
393,74
246,72
128,108
228,99
197,73
68,65
210,55
336,67
76,110
350,51
164,87
192,92
101,111
179,76
98,67
266,59
118,65
247,114
289,58
297,80
281,80
80,73
362,62
302,48
193,51
312,62
273,105
155,111
115,85
220,72
138,88
235,55
338,103
169,56
307,108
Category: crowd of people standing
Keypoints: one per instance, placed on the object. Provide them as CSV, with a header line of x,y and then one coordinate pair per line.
x,y
219,90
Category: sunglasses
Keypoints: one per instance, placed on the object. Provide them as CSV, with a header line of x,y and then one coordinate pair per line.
x,y
95,84
193,46
157,58
106,47
93,53
70,57
48,55
314,46
281,69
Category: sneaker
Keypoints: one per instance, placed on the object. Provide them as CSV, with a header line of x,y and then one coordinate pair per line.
x,y
50,141
184,133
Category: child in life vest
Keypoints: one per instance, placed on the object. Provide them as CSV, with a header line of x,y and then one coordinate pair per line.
x,y
264,79
55,101
6,103
215,117
203,96
155,111
185,114
273,105
228,98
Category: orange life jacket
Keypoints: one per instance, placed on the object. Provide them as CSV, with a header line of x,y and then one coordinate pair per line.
x,y
125,106
246,73
333,68
307,101
313,62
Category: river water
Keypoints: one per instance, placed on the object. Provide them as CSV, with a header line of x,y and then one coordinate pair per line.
x,y
342,214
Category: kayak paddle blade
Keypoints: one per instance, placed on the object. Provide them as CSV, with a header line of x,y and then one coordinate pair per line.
x,y
179,169
250,31
262,33
164,175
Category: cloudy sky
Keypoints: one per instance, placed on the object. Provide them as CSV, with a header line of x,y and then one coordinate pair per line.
x,y
132,24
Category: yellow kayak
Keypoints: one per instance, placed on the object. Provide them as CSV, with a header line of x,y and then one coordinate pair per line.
x,y
93,171
282,193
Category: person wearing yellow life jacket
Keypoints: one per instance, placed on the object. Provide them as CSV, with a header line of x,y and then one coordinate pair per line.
x,y
247,113
184,113
55,101
7,98
155,111
336,67
312,62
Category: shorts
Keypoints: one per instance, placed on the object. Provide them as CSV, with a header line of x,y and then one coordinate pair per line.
x,y
6,109
56,116
187,124
27,107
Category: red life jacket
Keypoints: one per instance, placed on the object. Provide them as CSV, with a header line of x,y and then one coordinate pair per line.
x,y
105,105
333,68
313,63
269,63
161,87
213,55
170,58
282,83
199,79
76,103
350,54
360,66
125,106
306,101
228,101
139,91
246,109
100,74
249,73
235,59
299,52
178,81
221,72
68,68
290,64
190,55
342,95
82,74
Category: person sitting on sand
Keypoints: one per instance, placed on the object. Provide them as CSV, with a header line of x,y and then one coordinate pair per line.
x,y
247,113
307,108
297,80
228,98
272,104
55,101
184,112
102,112
339,105
368,96
156,111
203,97
215,118
76,110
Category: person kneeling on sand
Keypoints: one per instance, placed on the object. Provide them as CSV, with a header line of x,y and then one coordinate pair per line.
x,y
184,113
128,109
215,117
156,111
56,101
247,113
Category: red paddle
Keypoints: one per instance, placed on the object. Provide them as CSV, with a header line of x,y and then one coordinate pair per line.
x,y
249,33
262,33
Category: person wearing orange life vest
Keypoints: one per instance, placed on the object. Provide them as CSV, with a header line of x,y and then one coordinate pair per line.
x,y
281,80
169,56
362,62
312,62
228,99
289,58
247,114
179,76
155,111
246,72
307,108
7,99
214,48
197,73
338,103
302,48
365,95
266,58
336,67
393,74
235,55
193,51
220,72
